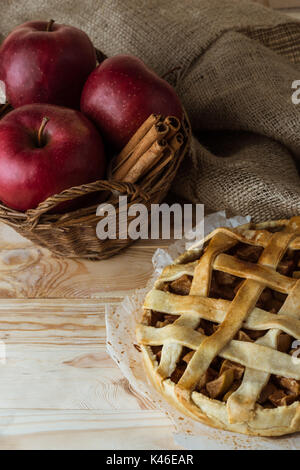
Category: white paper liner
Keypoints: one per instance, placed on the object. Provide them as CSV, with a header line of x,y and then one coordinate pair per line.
x,y
120,326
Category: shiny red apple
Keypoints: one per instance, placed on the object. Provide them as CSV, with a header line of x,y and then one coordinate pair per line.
x,y
44,62
121,93
45,149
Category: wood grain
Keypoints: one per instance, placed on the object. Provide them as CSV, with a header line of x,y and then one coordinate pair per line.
x,y
52,321
40,429
59,388
57,351
27,271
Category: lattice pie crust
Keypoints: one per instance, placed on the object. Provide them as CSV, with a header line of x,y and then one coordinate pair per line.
x,y
221,327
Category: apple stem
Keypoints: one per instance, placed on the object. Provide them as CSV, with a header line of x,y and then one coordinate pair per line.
x,y
41,130
49,25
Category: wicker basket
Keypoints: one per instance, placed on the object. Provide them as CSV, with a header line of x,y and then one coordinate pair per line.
x,y
73,234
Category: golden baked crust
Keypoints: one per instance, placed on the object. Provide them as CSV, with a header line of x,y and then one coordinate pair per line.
x,y
224,324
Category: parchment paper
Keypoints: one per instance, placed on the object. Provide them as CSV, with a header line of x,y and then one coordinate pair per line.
x,y
121,324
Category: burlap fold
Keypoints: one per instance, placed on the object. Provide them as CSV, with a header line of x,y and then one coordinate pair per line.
x,y
237,63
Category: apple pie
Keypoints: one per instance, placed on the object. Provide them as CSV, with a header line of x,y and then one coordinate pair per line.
x,y
220,334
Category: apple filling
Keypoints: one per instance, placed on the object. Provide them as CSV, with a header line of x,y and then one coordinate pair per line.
x,y
223,376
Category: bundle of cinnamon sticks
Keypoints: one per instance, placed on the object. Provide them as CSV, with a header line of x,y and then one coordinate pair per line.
x,y
152,147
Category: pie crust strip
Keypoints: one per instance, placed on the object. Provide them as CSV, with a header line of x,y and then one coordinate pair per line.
x,y
214,310
257,272
241,404
247,354
258,277
257,237
171,352
244,302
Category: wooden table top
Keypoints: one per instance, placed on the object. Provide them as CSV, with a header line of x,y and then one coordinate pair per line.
x,y
59,388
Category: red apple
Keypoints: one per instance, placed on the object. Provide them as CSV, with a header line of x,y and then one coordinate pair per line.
x,y
44,62
39,158
121,93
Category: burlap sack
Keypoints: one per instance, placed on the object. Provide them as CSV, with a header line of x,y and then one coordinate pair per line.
x,y
237,63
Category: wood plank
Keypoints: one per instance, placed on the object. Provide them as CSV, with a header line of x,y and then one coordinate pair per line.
x,y
55,346
27,271
69,393
40,429
64,377
52,321
59,360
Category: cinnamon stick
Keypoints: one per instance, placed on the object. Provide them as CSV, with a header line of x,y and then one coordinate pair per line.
x,y
173,145
155,133
173,124
146,161
136,138
176,141
160,163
